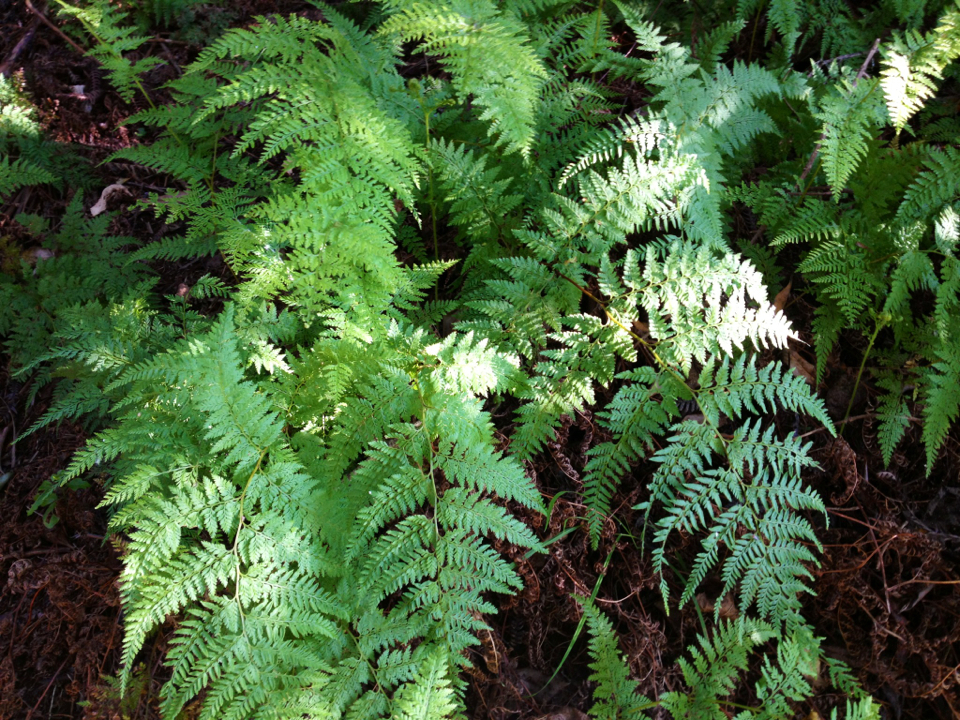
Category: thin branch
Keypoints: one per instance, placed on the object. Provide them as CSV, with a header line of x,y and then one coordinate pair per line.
x,y
816,151
863,68
7,66
58,31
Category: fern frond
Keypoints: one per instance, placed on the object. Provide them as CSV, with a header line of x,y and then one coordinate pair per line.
x,y
934,189
941,396
615,695
909,77
850,116
114,37
713,668
429,696
634,416
489,56
19,173
683,292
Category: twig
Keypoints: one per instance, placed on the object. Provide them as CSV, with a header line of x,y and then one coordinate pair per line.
x,y
19,48
816,151
58,31
863,68
55,675
883,569
809,166
828,61
43,551
842,422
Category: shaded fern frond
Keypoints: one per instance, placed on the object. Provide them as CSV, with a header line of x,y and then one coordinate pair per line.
x,y
615,695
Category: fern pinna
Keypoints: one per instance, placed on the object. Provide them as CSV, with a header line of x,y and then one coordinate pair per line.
x,y
311,478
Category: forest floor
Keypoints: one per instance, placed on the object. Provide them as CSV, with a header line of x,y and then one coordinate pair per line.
x,y
887,595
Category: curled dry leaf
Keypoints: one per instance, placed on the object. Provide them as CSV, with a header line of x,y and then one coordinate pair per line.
x,y
780,301
35,255
108,192
846,463
565,713
801,368
728,607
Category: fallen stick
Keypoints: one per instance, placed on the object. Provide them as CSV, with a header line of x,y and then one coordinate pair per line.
x,y
7,66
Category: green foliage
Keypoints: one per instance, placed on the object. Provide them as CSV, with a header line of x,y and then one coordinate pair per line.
x,y
758,488
913,63
849,112
445,210
615,695
714,667
113,37
26,157
487,54
80,290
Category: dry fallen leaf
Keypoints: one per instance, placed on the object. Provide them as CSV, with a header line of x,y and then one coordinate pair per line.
x,y
801,368
35,255
108,191
846,464
565,713
728,608
780,301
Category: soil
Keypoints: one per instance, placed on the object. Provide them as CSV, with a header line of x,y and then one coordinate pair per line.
x,y
887,595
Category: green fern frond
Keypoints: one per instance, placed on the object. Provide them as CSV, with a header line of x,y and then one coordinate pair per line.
x,y
893,416
909,77
850,116
635,417
941,396
682,296
429,696
489,56
935,188
615,695
19,173
714,666
114,37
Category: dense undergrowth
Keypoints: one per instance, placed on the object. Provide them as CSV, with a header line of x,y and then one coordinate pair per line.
x,y
449,228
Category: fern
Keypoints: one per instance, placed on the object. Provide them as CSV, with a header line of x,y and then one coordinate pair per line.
x,y
488,56
849,114
304,457
615,695
715,665
18,173
105,25
893,415
913,64
942,396
20,136
760,489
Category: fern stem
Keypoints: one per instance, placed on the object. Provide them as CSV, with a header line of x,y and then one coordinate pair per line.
x,y
596,30
432,199
213,166
648,347
881,323
43,18
243,497
373,668
728,703
580,625
753,36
